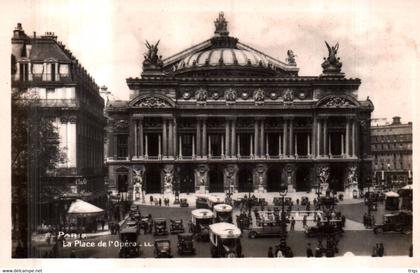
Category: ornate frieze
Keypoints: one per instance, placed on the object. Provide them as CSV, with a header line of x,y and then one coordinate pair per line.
x,y
121,124
288,95
230,95
337,102
259,96
152,102
201,96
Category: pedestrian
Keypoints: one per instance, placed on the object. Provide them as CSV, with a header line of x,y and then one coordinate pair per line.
x,y
151,199
365,219
374,251
292,224
72,254
410,251
103,224
343,220
297,201
160,202
309,252
304,221
381,250
318,252
270,252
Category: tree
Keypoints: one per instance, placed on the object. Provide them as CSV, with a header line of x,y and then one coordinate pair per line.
x,y
35,154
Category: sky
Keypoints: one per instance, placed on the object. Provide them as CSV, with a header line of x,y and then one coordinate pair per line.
x,y
379,42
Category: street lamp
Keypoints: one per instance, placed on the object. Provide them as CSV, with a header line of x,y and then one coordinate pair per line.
x,y
283,215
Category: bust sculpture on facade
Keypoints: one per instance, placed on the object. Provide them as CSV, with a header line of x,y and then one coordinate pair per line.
x,y
259,96
230,95
201,95
291,57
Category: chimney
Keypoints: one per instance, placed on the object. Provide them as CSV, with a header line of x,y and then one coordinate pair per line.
x,y
18,32
396,120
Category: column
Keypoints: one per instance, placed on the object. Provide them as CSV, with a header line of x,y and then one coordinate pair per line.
x,y
175,133
329,144
347,137
130,139
204,139
170,138
318,138
193,147
209,139
342,145
251,145
233,148
266,147
227,142
291,138
308,144
111,146
140,135
115,147
280,146
353,144
256,141
135,139
146,153
296,153
223,148
262,138
164,138
324,149
284,137
198,136
159,147
180,148
239,146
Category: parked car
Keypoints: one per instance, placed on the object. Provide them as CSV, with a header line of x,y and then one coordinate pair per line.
x,y
131,248
225,240
324,228
399,222
177,226
223,213
159,226
200,221
185,244
162,248
201,201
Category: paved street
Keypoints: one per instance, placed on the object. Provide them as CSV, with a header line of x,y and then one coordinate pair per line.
x,y
359,241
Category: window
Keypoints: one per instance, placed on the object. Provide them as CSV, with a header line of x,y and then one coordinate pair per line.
x,y
64,70
187,145
122,142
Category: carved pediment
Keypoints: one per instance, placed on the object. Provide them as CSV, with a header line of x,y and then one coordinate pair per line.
x,y
338,102
152,101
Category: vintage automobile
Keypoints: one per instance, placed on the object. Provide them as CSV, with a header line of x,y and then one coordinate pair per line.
x,y
162,248
200,221
132,223
177,226
392,201
266,229
185,244
401,221
213,200
222,213
144,222
325,228
159,226
183,202
225,240
130,247
243,221
201,201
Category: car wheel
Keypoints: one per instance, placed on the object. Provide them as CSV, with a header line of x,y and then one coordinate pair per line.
x,y
231,255
378,230
252,235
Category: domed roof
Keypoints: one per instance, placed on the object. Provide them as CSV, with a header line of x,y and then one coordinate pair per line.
x,y
223,52
224,56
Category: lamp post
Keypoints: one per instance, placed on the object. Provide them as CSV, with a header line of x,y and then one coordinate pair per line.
x,y
249,196
283,216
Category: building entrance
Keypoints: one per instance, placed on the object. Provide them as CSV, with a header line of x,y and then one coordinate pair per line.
x,y
274,179
245,180
337,176
303,177
153,179
186,176
216,180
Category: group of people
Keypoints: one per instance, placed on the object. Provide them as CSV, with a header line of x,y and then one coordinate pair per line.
x,y
158,201
368,220
378,250
329,250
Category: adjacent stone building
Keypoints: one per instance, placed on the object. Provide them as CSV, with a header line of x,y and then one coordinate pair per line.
x,y
392,151
66,94
222,116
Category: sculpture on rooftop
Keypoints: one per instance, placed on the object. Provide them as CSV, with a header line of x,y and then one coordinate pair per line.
x,y
332,63
291,57
152,57
221,25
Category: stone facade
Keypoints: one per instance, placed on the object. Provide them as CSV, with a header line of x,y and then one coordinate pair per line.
x,y
230,117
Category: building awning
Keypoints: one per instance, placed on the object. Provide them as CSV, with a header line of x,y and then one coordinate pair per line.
x,y
407,187
84,209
